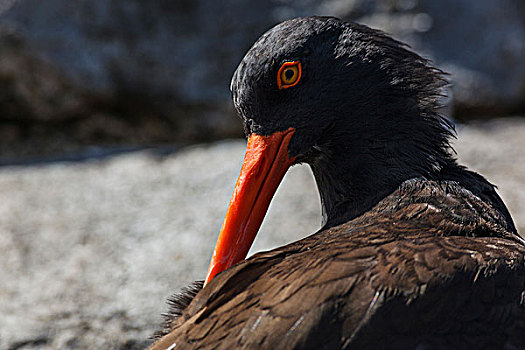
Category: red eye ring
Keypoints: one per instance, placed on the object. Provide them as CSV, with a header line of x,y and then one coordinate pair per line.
x,y
283,81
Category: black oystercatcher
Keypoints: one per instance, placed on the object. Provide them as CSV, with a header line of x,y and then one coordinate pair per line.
x,y
416,251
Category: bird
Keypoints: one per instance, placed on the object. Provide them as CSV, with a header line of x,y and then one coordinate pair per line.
x,y
415,251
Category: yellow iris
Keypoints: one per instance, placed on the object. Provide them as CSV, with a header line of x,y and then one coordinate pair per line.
x,y
289,74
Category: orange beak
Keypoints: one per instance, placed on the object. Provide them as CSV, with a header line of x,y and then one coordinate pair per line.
x,y
265,163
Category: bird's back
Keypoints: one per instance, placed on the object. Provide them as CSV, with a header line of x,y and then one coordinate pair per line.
x,y
431,266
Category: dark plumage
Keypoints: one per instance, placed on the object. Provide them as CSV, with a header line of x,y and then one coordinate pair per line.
x,y
416,252
177,304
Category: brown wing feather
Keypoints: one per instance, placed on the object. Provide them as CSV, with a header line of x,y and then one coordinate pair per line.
x,y
439,272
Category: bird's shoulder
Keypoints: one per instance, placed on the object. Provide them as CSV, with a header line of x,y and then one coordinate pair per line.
x,y
309,299
429,251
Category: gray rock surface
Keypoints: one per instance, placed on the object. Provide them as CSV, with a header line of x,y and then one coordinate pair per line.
x,y
91,250
115,71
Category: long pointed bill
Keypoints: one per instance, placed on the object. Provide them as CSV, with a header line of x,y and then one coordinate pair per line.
x,y
265,163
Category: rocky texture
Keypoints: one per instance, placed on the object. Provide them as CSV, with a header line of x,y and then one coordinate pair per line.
x,y
91,250
133,72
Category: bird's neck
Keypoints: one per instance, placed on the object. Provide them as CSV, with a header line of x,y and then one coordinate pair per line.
x,y
351,180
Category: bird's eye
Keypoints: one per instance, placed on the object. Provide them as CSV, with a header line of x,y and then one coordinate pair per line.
x,y
289,74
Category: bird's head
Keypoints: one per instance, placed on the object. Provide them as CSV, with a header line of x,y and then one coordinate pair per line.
x,y
326,79
312,86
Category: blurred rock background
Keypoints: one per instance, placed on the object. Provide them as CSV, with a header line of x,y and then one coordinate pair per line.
x,y
127,72
90,245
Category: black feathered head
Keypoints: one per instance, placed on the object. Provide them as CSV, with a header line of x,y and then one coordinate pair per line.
x,y
356,83
354,104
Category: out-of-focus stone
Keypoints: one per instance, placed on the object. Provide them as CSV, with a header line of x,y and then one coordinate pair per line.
x,y
163,68
32,88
